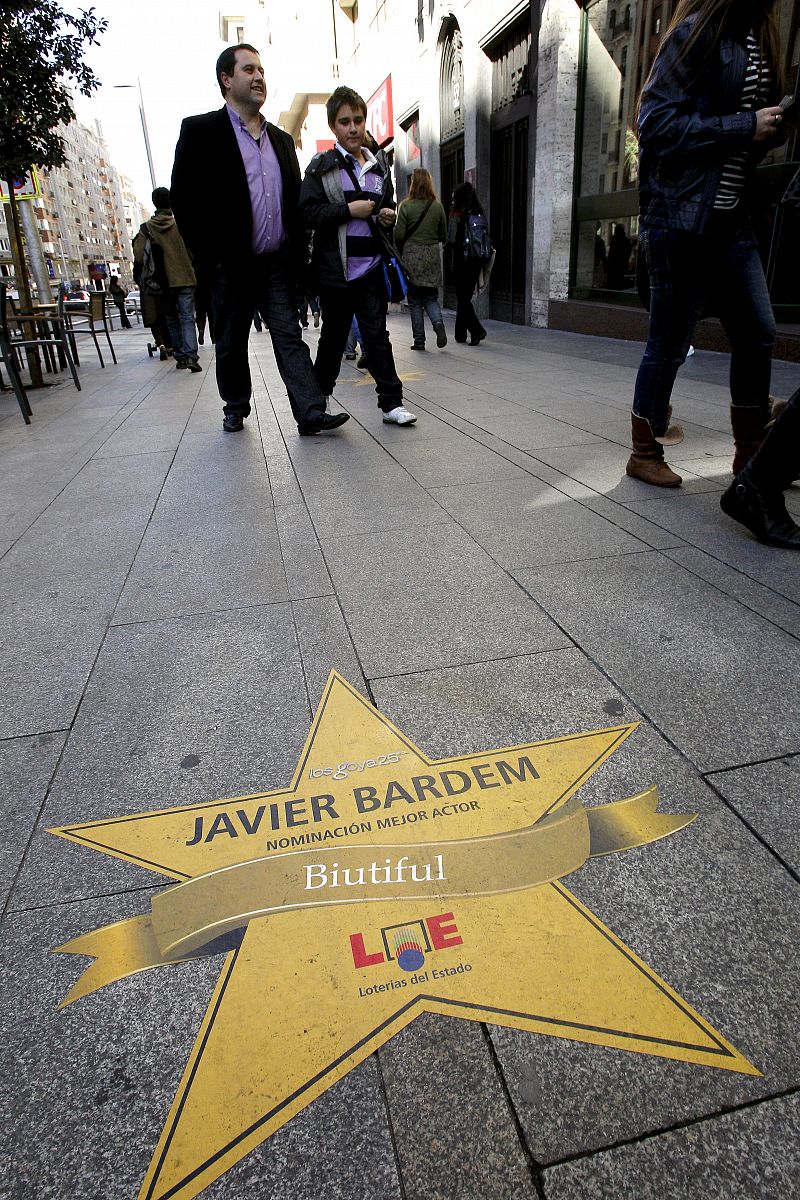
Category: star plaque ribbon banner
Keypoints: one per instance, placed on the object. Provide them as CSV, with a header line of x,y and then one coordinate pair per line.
x,y
380,885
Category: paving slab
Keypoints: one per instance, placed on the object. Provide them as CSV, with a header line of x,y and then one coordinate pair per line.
x,y
376,505
437,582
303,560
758,597
461,460
699,521
118,1056
767,797
454,1132
523,522
751,1154
199,708
26,767
686,653
57,604
219,551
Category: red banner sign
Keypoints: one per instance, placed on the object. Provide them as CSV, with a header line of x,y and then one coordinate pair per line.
x,y
380,117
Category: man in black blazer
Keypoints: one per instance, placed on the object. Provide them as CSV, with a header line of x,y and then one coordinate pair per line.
x,y
235,185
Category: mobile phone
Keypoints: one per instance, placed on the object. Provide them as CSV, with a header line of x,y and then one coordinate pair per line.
x,y
790,107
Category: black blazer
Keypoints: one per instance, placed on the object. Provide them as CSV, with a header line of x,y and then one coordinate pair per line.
x,y
211,201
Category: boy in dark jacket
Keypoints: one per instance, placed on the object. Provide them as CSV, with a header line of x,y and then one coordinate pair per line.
x,y
346,195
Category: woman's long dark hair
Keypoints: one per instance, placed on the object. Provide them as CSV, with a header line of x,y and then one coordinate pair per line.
x,y
715,17
465,200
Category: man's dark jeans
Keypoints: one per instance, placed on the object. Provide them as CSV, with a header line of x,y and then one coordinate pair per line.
x,y
262,284
685,271
366,299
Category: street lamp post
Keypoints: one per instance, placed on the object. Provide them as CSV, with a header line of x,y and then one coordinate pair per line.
x,y
120,86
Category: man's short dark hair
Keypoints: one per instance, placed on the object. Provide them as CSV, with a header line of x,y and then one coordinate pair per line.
x,y
342,96
226,63
161,198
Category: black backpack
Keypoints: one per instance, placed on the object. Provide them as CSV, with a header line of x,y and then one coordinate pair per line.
x,y
151,276
477,243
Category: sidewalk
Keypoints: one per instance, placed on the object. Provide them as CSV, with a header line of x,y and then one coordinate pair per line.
x,y
173,602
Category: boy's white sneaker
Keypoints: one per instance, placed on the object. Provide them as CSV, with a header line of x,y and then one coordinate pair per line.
x,y
399,416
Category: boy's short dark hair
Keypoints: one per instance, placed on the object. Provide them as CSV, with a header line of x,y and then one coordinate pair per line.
x,y
161,198
338,99
226,63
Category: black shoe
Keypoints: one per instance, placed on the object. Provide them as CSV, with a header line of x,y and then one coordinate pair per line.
x,y
476,341
181,365
194,366
323,423
461,341
303,323
232,423
417,345
162,353
763,513
362,362
441,334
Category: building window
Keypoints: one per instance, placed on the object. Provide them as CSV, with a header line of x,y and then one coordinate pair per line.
x,y
451,85
511,65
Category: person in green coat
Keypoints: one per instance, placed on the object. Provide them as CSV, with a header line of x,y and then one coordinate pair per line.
x,y
421,228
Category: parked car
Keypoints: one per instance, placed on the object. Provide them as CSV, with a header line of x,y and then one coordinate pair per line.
x,y
133,301
77,296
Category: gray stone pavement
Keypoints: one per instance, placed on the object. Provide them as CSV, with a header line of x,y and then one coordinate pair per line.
x,y
172,603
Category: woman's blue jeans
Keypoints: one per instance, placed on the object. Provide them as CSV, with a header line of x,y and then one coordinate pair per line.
x,y
423,300
686,271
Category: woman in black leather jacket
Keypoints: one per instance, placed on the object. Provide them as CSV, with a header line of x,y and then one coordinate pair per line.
x,y
707,114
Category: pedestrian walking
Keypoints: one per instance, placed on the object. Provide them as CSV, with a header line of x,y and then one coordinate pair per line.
x,y
247,238
420,232
755,498
118,296
353,341
707,114
163,269
467,218
347,198
312,302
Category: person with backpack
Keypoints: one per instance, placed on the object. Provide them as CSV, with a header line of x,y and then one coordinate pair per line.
x,y
470,252
164,271
421,228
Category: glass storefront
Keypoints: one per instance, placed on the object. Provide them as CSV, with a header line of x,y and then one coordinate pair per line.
x,y
618,44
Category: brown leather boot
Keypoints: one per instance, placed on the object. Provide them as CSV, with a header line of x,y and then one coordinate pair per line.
x,y
647,460
749,430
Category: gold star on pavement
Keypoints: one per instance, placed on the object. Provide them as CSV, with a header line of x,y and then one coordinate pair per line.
x,y
380,885
405,377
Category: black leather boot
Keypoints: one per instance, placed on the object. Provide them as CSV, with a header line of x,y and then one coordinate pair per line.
x,y
755,498
763,512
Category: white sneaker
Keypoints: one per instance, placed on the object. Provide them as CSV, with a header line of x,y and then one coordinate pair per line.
x,y
399,416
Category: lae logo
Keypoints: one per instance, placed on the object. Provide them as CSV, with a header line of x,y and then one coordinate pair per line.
x,y
408,943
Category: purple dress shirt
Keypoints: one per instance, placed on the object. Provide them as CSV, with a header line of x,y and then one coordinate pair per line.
x,y
370,180
264,184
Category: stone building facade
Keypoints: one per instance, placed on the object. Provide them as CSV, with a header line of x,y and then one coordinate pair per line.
x,y
534,104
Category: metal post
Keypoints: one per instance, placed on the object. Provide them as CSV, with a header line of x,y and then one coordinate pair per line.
x,y
146,135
